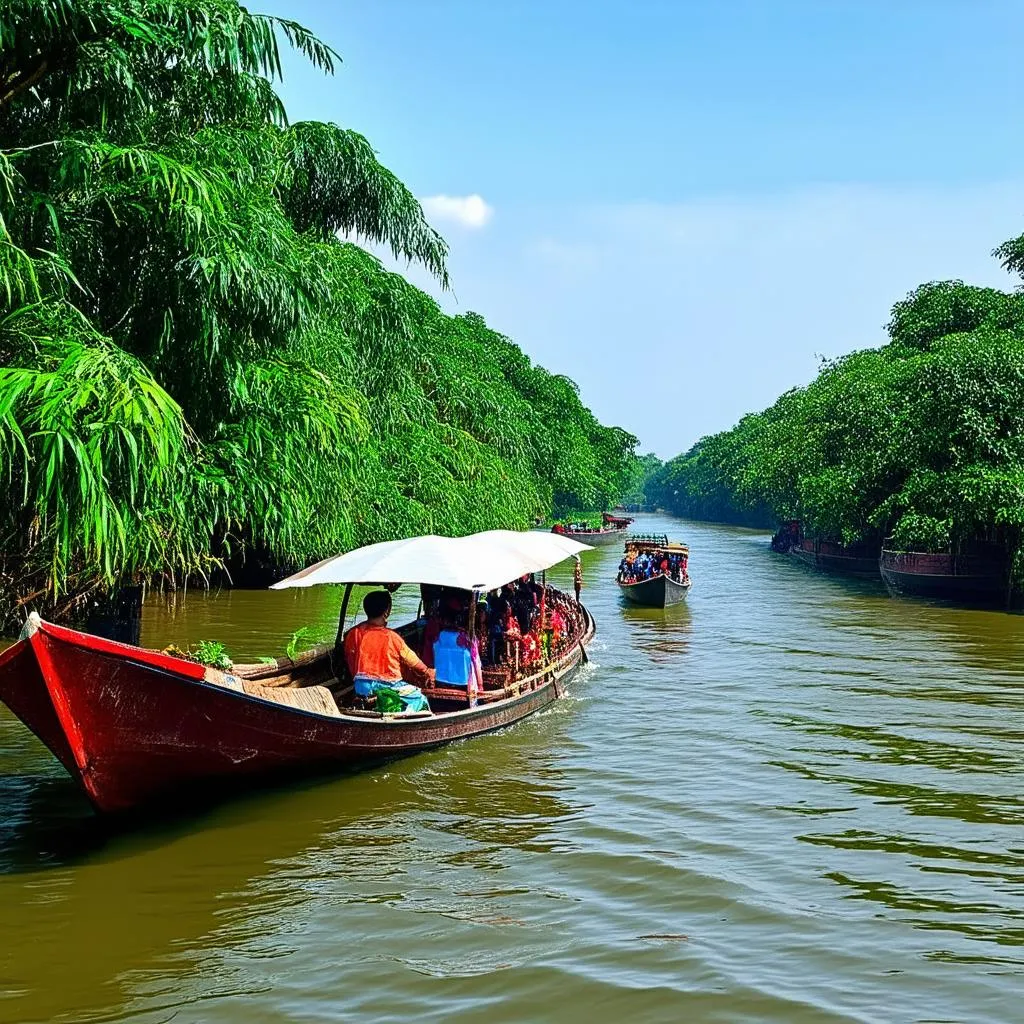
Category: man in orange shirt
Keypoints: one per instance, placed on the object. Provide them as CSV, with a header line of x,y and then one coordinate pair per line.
x,y
378,657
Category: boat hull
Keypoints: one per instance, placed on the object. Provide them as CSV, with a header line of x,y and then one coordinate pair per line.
x,y
657,592
833,558
131,725
942,577
598,539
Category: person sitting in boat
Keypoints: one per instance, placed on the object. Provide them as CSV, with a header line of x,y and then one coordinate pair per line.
x,y
449,603
512,636
530,649
457,655
483,631
557,629
377,657
497,612
524,604
431,631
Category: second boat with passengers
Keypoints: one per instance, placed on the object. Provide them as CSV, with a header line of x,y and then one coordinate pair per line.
x,y
612,528
654,571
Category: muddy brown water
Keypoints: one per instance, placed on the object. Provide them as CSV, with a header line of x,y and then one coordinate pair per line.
x,y
792,799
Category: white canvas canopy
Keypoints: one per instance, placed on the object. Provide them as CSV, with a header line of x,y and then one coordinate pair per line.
x,y
481,561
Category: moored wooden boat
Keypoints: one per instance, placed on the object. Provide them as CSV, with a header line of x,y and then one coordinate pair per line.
x,y
974,580
847,560
860,559
131,725
659,591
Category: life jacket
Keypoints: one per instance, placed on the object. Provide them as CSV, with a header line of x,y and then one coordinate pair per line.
x,y
453,663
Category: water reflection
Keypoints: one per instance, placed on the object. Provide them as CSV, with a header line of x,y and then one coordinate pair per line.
x,y
661,633
909,746
980,921
244,874
879,744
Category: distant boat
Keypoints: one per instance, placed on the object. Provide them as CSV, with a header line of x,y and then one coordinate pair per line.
x,y
661,590
658,592
860,559
612,528
977,579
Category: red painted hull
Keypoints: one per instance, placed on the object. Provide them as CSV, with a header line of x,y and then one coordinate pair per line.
x,y
966,580
131,725
835,558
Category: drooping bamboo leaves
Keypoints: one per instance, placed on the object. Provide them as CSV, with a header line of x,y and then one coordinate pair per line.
x,y
194,365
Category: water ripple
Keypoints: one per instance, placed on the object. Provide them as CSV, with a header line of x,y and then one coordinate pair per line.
x,y
790,799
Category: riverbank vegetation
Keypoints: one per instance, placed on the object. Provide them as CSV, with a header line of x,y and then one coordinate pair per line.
x,y
920,441
198,364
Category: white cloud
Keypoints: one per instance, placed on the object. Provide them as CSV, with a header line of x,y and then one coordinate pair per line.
x,y
466,211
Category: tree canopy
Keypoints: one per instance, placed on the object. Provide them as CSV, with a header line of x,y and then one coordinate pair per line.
x,y
193,363
921,440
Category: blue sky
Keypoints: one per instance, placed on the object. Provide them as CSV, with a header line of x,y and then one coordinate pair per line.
x,y
684,206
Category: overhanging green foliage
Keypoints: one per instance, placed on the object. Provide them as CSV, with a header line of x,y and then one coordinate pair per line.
x,y
193,362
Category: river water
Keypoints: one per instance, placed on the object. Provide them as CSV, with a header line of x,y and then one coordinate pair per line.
x,y
792,799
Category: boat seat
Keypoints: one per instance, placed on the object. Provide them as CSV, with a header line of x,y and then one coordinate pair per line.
x,y
317,699
226,679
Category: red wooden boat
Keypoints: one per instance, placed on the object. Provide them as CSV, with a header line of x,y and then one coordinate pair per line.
x,y
977,578
131,724
612,529
844,559
860,559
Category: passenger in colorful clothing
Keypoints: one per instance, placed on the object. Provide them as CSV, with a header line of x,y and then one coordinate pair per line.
x,y
557,630
378,657
457,657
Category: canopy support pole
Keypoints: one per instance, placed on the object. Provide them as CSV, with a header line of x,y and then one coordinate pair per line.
x,y
340,640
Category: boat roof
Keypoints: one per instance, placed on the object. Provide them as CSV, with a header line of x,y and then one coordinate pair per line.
x,y
671,548
481,561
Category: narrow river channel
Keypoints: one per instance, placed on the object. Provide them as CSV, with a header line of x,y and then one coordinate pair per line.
x,y
792,799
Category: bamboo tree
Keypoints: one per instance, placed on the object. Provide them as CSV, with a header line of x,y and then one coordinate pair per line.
x,y
195,364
